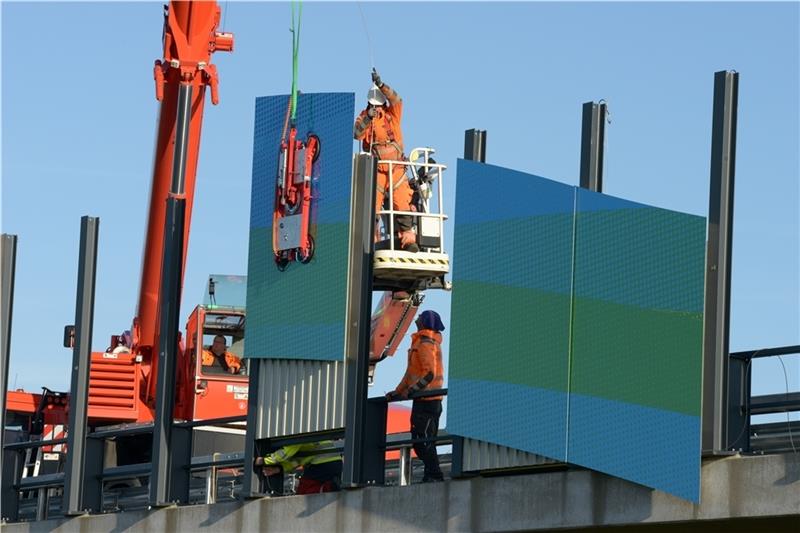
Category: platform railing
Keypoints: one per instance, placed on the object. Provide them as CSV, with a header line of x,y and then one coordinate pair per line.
x,y
428,168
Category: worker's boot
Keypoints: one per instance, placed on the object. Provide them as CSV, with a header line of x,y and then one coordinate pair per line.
x,y
408,241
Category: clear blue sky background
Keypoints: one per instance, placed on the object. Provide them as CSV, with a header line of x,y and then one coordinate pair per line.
x,y
79,120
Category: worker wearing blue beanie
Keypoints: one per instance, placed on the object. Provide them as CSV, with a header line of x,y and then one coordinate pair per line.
x,y
425,372
431,320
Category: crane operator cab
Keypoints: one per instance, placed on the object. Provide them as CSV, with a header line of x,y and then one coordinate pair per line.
x,y
217,380
399,269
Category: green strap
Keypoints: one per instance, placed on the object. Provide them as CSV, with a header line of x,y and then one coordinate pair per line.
x,y
295,52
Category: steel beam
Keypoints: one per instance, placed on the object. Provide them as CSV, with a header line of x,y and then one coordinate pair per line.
x,y
715,437
593,134
251,485
161,482
357,317
165,488
9,495
8,262
475,145
74,501
373,452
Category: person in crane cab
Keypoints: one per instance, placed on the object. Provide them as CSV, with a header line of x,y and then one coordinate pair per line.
x,y
378,129
425,372
219,358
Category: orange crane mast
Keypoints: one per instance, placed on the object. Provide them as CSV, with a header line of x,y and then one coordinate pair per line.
x,y
190,38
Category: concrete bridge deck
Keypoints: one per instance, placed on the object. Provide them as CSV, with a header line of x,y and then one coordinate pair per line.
x,y
755,493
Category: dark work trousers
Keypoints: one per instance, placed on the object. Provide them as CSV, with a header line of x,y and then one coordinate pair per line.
x,y
424,425
274,484
325,477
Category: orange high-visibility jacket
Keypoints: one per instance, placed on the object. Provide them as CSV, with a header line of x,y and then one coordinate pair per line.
x,y
425,370
232,360
383,131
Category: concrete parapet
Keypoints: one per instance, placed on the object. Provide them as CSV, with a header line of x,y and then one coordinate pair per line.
x,y
738,494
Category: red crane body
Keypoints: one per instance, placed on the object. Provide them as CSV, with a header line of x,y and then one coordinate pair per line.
x,y
123,378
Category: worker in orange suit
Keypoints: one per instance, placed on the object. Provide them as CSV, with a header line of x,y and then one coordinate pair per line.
x,y
378,128
424,372
219,356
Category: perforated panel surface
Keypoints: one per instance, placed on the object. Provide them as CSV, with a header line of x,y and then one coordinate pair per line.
x,y
577,327
637,343
299,313
509,346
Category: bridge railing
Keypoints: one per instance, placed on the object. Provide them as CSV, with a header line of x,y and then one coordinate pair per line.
x,y
743,435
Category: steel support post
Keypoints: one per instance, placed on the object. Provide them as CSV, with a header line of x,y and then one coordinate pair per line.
x,y
74,501
251,485
404,467
359,300
8,262
161,477
739,380
93,463
13,461
475,145
593,134
42,503
457,458
165,487
718,264
373,453
180,464
211,481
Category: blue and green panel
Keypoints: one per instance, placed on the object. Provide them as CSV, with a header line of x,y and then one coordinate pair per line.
x,y
300,313
637,328
577,327
509,334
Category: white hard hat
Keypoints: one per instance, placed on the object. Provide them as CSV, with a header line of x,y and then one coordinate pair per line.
x,y
375,96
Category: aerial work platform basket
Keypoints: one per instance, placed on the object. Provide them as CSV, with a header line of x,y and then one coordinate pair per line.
x,y
395,268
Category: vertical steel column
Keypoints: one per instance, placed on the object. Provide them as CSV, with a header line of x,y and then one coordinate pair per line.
x,y
165,488
373,451
474,150
359,299
404,467
13,461
593,134
739,381
251,485
73,502
718,263
475,145
9,460
161,493
8,262
94,459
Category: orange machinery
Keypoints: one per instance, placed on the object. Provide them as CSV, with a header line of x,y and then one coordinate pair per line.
x,y
123,378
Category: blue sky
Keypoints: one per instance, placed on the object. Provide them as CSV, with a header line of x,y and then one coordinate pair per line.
x,y
79,120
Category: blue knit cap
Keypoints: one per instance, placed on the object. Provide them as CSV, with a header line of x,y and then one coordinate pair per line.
x,y
431,320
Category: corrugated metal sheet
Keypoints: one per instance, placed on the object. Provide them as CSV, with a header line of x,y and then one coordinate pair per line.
x,y
480,455
300,396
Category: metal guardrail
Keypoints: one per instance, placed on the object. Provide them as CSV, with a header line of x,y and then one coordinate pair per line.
x,y
15,483
742,405
33,444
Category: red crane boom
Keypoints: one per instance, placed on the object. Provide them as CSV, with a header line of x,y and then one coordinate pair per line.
x,y
190,38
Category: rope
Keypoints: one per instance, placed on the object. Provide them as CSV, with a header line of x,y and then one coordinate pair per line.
x,y
295,52
366,31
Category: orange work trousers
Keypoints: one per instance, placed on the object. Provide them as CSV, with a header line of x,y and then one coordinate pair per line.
x,y
401,195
